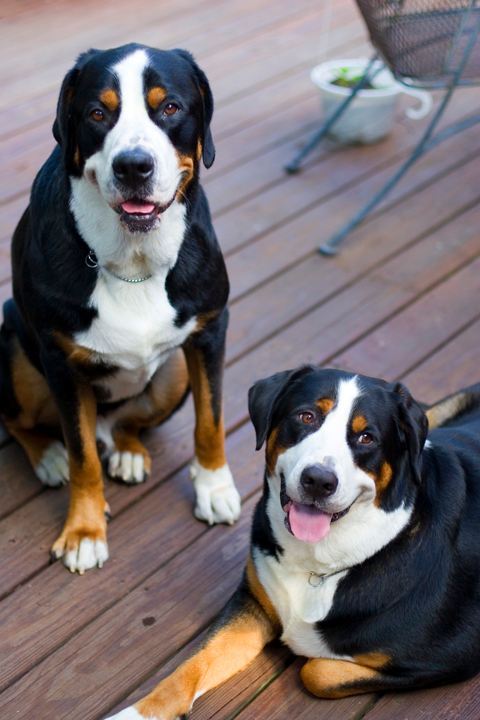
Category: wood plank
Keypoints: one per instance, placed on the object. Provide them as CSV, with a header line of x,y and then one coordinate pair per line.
x,y
453,702
452,367
286,698
169,25
435,316
257,262
419,257
32,618
18,483
233,70
182,597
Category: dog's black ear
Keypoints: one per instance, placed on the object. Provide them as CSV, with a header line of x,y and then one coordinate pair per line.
x,y
62,129
262,397
413,425
208,148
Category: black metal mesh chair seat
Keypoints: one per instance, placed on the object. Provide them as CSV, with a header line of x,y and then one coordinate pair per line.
x,y
424,41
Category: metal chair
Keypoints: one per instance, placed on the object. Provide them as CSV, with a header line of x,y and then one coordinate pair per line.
x,y
426,43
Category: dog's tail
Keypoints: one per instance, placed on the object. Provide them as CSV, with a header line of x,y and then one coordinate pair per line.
x,y
453,406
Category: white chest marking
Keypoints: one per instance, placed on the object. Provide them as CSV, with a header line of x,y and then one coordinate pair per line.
x,y
299,604
135,330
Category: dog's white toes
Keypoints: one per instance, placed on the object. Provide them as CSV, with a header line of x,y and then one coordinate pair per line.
x,y
127,466
52,469
89,554
217,499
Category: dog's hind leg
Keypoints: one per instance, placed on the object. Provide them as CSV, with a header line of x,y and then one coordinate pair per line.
x,y
33,420
333,679
48,456
127,457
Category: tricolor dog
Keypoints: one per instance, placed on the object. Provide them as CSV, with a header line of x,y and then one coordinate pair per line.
x,y
365,547
119,290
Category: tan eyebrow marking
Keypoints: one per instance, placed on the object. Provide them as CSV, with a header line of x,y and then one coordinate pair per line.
x,y
359,424
325,405
110,99
155,96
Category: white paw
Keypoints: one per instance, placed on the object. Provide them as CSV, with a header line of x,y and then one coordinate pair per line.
x,y
218,500
89,554
52,469
128,714
127,466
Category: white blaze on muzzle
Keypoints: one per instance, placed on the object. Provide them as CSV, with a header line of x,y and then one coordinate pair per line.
x,y
135,129
327,446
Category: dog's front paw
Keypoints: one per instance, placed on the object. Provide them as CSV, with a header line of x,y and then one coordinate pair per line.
x,y
81,548
52,469
132,468
128,714
217,499
131,713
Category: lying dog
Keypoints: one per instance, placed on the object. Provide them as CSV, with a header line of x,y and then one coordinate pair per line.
x,y
119,290
365,544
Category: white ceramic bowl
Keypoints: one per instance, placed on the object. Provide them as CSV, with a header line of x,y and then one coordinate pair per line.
x,y
370,115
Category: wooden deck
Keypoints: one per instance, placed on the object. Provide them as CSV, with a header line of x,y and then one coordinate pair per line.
x,y
401,301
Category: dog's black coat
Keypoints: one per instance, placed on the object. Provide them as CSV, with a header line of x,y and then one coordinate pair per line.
x,y
56,275
52,283
417,600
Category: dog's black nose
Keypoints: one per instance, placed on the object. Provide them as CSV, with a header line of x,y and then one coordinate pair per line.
x,y
133,167
318,481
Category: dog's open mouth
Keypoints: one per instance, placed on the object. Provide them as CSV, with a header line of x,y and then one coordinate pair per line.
x,y
140,214
307,522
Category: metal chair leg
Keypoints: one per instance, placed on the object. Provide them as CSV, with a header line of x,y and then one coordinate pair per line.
x,y
294,166
330,247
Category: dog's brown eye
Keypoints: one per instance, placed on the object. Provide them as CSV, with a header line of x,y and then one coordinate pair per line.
x,y
307,417
97,115
170,109
365,439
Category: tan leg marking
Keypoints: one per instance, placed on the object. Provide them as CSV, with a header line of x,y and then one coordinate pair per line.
x,y
227,652
128,459
37,426
126,440
37,406
338,678
85,518
209,435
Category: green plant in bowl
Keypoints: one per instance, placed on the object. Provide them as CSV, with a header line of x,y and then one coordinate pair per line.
x,y
349,77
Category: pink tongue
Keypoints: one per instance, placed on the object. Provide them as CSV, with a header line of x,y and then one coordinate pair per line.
x,y
308,523
139,208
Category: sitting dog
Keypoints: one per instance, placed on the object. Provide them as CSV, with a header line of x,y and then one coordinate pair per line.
x,y
119,290
365,544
